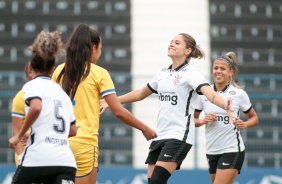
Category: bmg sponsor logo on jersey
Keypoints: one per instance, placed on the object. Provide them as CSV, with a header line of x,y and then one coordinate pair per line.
x,y
168,97
224,119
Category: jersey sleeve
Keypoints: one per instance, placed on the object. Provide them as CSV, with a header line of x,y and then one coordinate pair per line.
x,y
197,81
153,84
18,105
199,103
31,92
106,84
245,103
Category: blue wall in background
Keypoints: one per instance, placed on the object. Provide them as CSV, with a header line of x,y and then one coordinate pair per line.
x,y
126,175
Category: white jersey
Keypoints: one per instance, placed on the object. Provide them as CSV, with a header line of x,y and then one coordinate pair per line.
x,y
48,142
221,136
177,93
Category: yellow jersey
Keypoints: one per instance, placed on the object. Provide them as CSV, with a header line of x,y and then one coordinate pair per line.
x,y
18,105
87,102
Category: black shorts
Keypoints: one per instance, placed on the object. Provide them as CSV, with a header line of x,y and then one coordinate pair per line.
x,y
168,150
44,175
233,160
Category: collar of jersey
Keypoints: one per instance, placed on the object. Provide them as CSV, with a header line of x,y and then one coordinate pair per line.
x,y
43,77
179,67
224,89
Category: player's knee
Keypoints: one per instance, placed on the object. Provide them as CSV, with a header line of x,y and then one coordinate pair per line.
x,y
160,175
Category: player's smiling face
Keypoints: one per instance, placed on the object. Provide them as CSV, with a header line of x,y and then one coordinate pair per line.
x,y
177,48
221,72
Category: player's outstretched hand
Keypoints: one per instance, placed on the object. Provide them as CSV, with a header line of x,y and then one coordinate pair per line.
x,y
13,141
230,111
149,133
103,106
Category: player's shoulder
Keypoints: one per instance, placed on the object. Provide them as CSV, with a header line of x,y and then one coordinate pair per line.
x,y
59,67
29,84
163,70
96,69
19,93
190,68
19,96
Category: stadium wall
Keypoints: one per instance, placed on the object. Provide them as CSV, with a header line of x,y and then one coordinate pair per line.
x,y
237,26
126,175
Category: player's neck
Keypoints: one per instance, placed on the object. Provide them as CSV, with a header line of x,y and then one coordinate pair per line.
x,y
220,87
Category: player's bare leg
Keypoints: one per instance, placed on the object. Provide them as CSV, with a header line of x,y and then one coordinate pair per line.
x,y
89,179
226,176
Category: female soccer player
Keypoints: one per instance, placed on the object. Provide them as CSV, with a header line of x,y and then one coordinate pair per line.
x,y
177,87
47,157
86,82
224,145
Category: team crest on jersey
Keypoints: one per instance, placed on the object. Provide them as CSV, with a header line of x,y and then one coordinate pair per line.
x,y
230,98
177,80
232,92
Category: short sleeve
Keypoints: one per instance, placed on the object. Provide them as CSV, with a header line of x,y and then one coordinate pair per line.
x,y
245,103
153,84
199,103
18,105
30,92
197,81
106,84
